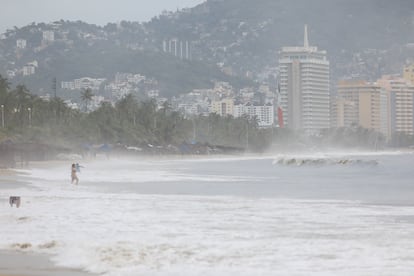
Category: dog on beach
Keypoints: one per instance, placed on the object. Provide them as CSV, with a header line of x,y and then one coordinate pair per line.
x,y
14,200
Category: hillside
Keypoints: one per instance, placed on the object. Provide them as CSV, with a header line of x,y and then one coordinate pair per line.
x,y
247,35
229,40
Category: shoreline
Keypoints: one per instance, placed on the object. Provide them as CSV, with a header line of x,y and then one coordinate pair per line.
x,y
15,263
11,172
18,263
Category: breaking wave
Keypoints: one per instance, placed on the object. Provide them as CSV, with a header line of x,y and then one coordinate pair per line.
x,y
298,161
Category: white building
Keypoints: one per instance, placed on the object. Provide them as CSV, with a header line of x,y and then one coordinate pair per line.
x,y
29,70
70,85
21,43
72,105
33,63
83,83
11,74
86,82
264,114
188,109
153,94
304,87
178,48
96,102
48,36
136,78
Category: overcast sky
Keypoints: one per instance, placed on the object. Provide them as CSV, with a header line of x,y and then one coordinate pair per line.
x,y
23,12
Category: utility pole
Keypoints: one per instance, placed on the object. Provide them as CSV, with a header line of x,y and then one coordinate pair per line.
x,y
30,116
2,116
54,86
247,135
194,130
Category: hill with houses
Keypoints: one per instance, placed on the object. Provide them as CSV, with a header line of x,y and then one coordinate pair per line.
x,y
234,41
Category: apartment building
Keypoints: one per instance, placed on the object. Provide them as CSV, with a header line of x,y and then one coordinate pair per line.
x,y
304,87
264,114
362,103
400,94
223,107
408,73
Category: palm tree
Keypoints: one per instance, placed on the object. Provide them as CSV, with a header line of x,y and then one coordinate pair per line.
x,y
147,114
4,88
127,107
166,107
86,96
21,100
59,107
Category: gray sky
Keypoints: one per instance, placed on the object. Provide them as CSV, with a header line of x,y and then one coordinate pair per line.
x,y
23,12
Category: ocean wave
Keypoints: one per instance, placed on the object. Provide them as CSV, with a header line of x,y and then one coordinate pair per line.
x,y
291,161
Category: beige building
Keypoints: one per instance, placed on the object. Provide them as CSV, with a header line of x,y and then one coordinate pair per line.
x,y
408,73
223,107
400,94
363,104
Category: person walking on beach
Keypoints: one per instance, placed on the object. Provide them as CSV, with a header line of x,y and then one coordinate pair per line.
x,y
73,175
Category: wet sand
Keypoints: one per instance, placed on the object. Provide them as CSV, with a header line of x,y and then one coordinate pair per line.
x,y
24,264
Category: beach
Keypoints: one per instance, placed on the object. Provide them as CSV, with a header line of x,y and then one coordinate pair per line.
x,y
24,264
18,263
239,215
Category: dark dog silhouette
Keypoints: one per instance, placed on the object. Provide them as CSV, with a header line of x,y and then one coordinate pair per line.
x,y
14,200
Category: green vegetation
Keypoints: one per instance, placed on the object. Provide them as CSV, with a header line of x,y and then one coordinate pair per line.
x,y
30,119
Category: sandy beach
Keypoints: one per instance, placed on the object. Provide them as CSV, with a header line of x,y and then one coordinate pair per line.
x,y
17,263
23,264
214,216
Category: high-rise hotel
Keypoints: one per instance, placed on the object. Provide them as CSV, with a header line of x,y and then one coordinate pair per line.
x,y
304,87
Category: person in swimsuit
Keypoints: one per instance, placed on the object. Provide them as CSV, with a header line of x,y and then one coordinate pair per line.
x,y
73,175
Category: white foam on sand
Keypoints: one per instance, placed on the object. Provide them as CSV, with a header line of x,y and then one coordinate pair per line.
x,y
134,234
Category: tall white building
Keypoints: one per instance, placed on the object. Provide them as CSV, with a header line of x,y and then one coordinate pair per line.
x,y
304,87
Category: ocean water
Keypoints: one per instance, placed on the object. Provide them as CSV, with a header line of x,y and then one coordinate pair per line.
x,y
308,214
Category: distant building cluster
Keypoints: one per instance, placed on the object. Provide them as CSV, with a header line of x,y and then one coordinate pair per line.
x,y
303,96
386,106
224,101
27,70
127,83
83,83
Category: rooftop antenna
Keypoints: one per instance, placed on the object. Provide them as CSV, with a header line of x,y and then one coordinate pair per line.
x,y
305,40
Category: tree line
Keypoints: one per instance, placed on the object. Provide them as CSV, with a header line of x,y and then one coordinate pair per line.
x,y
28,118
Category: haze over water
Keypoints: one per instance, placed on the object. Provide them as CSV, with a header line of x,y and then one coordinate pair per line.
x,y
222,216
